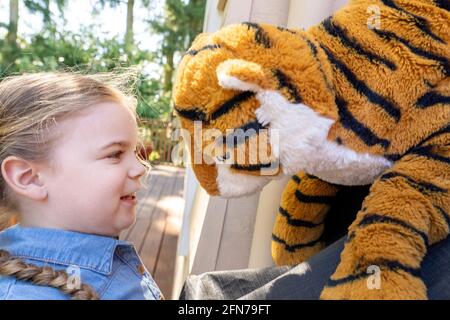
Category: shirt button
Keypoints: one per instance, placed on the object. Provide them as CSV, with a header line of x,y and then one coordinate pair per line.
x,y
141,268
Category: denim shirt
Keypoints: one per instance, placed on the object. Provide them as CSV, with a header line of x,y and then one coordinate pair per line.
x,y
111,267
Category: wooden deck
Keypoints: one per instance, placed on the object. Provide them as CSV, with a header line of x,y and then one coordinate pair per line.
x,y
158,224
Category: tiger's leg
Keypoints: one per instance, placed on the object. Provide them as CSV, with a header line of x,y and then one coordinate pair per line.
x,y
299,224
406,210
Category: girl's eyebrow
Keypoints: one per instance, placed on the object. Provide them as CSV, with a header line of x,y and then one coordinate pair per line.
x,y
116,143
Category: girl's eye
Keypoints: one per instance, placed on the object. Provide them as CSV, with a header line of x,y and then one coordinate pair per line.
x,y
115,155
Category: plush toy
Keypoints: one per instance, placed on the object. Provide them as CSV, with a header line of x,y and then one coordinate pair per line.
x,y
356,100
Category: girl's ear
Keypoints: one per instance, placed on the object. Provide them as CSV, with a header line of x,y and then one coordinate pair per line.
x,y
23,177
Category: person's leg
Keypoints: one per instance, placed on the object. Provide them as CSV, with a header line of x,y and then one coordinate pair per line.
x,y
296,284
228,285
436,271
306,280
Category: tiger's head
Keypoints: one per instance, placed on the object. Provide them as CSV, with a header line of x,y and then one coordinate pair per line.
x,y
217,94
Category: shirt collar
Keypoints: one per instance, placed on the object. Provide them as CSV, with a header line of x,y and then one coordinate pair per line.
x,y
64,247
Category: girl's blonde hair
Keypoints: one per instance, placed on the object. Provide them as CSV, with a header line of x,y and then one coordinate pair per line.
x,y
29,106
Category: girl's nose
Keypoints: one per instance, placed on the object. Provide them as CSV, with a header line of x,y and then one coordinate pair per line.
x,y
138,170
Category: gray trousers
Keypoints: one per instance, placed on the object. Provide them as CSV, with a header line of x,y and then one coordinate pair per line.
x,y
306,280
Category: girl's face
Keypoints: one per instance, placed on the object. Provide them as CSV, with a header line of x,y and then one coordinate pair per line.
x,y
94,166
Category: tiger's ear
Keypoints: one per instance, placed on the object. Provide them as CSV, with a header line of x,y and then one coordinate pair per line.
x,y
243,75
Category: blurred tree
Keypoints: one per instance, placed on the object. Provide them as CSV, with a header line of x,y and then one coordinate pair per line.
x,y
150,103
13,22
43,7
11,50
180,23
129,27
129,33
54,48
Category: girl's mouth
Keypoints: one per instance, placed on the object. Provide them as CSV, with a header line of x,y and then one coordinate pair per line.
x,y
129,199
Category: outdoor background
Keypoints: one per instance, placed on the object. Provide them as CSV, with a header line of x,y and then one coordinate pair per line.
x,y
102,35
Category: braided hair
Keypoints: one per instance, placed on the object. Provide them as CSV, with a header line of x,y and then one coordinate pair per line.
x,y
44,276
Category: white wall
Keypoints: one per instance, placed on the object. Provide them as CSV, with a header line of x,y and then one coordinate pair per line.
x,y
274,12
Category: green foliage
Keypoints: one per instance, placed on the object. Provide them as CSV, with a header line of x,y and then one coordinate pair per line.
x,y
43,7
53,49
179,24
154,156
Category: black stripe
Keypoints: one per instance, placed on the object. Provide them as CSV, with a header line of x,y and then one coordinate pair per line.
x,y
314,51
333,29
420,185
362,88
296,179
393,157
376,218
432,98
311,45
286,30
395,265
194,52
293,247
444,215
365,134
253,167
420,22
326,200
418,51
298,222
232,103
195,114
444,4
242,134
335,282
425,151
285,82
390,265
429,85
191,114
310,176
261,36
442,131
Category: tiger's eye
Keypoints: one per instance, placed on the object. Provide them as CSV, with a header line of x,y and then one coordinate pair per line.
x,y
225,157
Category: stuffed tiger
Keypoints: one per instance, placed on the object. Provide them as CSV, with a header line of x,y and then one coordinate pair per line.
x,y
344,103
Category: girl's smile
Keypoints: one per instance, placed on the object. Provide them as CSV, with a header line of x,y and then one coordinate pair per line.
x,y
129,200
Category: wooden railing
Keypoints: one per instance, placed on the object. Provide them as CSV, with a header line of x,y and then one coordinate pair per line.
x,y
157,134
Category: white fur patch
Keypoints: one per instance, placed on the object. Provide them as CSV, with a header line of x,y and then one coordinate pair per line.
x,y
231,184
303,144
229,82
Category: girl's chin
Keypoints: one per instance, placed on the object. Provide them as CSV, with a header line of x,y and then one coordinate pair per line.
x,y
114,225
128,221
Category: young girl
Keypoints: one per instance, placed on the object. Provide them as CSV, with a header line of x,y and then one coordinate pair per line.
x,y
70,173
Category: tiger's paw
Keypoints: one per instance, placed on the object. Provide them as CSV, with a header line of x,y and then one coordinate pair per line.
x,y
376,284
283,257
